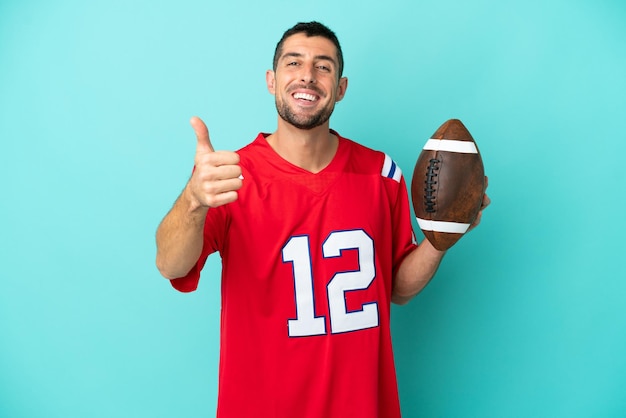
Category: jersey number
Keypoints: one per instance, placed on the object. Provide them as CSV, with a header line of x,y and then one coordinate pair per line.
x,y
297,251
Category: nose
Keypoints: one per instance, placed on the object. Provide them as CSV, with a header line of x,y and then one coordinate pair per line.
x,y
308,74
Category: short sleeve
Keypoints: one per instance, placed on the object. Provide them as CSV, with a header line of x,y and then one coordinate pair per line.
x,y
215,228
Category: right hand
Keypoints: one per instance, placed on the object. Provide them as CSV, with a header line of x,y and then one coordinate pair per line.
x,y
217,175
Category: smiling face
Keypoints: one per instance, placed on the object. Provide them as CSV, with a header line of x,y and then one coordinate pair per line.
x,y
306,83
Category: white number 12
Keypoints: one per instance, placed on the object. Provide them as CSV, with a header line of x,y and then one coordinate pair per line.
x,y
297,251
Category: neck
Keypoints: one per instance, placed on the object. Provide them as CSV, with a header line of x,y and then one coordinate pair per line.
x,y
311,149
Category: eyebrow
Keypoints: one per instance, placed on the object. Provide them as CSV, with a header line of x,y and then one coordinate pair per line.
x,y
317,57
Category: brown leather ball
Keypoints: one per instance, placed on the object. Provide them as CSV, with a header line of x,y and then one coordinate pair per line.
x,y
448,184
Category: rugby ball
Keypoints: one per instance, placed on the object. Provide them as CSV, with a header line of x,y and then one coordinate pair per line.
x,y
448,185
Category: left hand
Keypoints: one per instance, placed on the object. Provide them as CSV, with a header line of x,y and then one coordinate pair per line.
x,y
486,202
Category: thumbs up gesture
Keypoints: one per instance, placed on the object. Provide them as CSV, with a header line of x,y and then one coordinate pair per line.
x,y
217,175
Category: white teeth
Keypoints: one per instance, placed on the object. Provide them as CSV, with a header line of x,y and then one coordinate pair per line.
x,y
304,96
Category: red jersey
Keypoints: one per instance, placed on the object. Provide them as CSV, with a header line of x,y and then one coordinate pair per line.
x,y
308,261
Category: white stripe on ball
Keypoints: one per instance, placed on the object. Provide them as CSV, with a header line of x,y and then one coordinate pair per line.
x,y
442,226
464,147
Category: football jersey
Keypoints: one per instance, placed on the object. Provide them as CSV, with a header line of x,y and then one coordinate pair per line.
x,y
307,267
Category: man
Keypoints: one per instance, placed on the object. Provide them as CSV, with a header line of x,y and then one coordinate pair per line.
x,y
316,241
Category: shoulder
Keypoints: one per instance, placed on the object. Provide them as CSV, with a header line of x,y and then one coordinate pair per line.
x,y
256,154
372,161
257,145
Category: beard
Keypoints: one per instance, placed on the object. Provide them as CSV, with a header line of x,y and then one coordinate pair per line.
x,y
307,121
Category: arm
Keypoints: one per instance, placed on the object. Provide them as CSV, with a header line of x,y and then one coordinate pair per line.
x,y
214,182
419,266
179,237
416,270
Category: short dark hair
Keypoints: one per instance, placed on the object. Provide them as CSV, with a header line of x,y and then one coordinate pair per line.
x,y
310,29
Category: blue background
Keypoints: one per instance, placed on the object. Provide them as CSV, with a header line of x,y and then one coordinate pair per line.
x,y
526,316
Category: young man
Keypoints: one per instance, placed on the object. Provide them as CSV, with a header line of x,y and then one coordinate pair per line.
x,y
316,241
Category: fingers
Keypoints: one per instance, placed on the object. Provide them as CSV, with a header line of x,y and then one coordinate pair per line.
x,y
486,199
485,202
216,186
209,173
202,135
220,192
217,175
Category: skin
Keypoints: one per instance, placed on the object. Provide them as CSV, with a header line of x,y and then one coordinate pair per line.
x,y
306,86
307,66
419,267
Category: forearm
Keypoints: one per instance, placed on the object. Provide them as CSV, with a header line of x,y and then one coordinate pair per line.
x,y
179,237
415,272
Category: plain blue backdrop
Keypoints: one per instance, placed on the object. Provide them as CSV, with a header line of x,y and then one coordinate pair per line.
x,y
526,316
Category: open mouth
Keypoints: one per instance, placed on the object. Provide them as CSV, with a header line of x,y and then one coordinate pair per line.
x,y
305,96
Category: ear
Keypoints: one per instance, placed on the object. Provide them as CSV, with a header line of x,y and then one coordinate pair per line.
x,y
341,88
270,79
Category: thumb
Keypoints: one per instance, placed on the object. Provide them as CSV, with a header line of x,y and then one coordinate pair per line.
x,y
202,135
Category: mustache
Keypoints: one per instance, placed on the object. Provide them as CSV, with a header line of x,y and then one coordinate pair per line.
x,y
311,87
